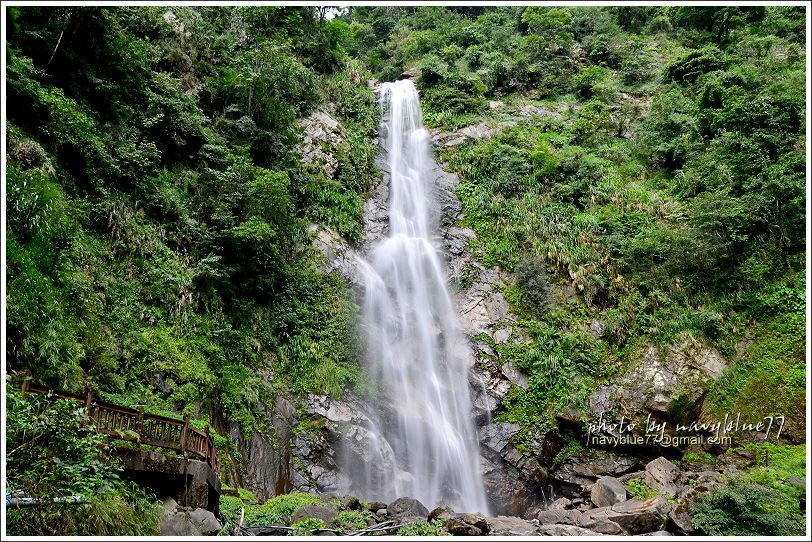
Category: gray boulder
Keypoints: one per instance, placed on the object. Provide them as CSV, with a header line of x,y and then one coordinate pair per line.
x,y
641,516
628,517
441,512
598,520
560,516
407,508
205,521
170,505
661,474
680,519
510,526
565,530
607,491
178,525
467,525
198,522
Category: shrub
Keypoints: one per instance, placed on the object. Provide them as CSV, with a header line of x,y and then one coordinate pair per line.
x,y
589,81
352,520
307,526
640,490
531,277
230,507
636,68
446,98
743,508
688,67
279,510
419,528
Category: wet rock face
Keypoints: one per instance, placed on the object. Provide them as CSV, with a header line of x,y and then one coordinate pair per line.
x,y
507,491
268,463
376,207
343,428
481,306
515,480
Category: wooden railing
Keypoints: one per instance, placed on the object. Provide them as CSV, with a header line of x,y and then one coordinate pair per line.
x,y
129,424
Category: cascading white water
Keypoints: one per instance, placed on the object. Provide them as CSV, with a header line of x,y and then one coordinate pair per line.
x,y
424,439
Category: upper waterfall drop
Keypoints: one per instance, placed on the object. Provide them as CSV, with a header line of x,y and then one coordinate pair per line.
x,y
424,437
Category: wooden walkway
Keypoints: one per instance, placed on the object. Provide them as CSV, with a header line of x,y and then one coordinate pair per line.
x,y
125,423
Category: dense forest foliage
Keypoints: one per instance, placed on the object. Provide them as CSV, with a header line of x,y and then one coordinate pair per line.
x,y
157,208
157,239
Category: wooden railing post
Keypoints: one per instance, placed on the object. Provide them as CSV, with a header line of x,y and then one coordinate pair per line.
x,y
88,400
139,423
208,445
184,432
26,384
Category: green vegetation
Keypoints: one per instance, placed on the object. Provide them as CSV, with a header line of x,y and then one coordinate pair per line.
x,y
158,209
307,527
765,500
281,510
421,528
640,490
770,379
777,464
697,461
352,520
157,236
743,508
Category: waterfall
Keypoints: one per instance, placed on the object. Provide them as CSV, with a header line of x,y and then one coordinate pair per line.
x,y
423,438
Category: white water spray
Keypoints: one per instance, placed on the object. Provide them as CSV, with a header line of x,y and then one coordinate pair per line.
x,y
424,440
